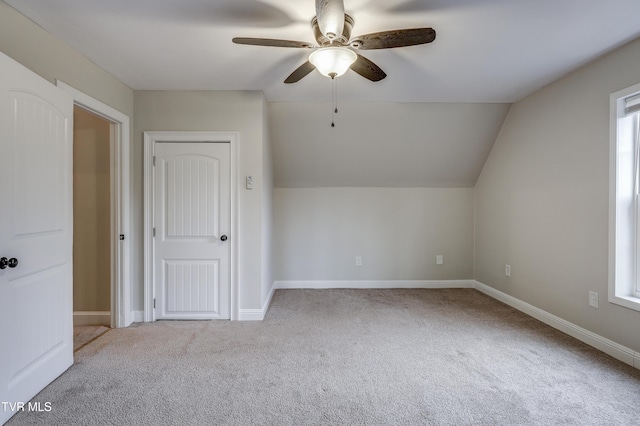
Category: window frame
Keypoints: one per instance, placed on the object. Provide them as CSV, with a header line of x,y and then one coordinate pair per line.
x,y
624,201
636,199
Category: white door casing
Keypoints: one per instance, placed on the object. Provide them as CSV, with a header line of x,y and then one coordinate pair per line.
x,y
189,204
36,227
121,269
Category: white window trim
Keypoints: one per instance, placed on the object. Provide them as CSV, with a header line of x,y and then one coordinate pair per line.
x,y
624,245
636,204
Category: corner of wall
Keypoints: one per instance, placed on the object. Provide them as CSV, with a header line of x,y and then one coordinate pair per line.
x,y
267,286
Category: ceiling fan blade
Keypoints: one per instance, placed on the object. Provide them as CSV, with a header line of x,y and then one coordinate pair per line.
x,y
300,72
330,15
368,69
271,42
394,38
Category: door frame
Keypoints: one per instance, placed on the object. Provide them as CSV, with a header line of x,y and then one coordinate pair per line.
x,y
121,279
150,138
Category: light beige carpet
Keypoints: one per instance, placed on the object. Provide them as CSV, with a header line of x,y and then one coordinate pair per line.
x,y
346,357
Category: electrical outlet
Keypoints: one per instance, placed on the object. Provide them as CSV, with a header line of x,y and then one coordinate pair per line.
x,y
358,260
507,270
439,259
593,299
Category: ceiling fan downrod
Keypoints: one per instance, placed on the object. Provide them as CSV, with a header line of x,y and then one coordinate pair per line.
x,y
330,15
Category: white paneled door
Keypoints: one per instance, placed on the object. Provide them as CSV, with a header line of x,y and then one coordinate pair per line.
x,y
192,206
36,331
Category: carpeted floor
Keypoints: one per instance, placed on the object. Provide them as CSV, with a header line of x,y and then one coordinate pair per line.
x,y
85,334
346,357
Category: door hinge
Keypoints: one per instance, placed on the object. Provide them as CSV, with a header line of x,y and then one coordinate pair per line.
x,y
154,303
154,161
121,237
154,231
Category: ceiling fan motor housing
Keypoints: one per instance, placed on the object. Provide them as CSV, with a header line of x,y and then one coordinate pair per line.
x,y
342,40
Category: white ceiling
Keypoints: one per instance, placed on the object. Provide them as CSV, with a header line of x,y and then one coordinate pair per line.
x,y
485,50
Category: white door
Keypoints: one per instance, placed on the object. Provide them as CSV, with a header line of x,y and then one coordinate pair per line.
x,y
192,219
36,331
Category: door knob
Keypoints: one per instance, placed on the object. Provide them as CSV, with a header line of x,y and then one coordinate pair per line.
x,y
223,238
11,263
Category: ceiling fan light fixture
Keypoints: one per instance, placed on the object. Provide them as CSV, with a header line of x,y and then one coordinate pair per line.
x,y
333,61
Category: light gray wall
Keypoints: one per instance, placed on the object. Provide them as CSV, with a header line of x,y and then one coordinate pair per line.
x,y
392,182
397,231
542,199
241,112
267,208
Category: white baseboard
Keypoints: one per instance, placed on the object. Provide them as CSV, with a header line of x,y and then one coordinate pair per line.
x,y
92,318
374,284
257,314
138,316
622,353
251,315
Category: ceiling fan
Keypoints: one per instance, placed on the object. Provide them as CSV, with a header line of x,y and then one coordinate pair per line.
x,y
335,52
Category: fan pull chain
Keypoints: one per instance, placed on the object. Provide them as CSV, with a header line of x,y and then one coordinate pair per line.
x,y
334,101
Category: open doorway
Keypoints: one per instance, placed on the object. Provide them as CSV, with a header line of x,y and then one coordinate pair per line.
x,y
91,225
112,217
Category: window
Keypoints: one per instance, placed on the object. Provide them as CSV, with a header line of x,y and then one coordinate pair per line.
x,y
624,208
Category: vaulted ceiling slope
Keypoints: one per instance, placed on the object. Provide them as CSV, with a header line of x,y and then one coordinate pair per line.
x,y
382,144
485,50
